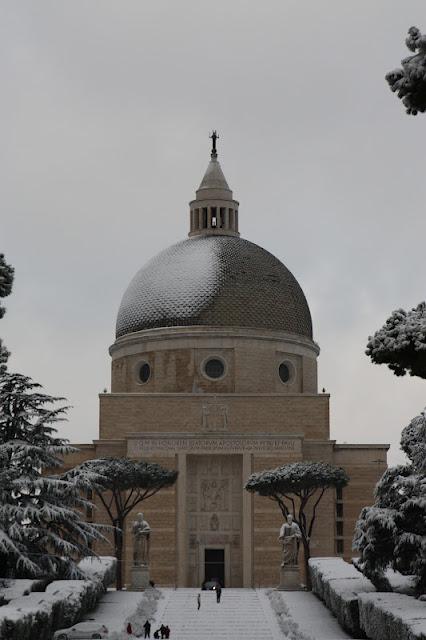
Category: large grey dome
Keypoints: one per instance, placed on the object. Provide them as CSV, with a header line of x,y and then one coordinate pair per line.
x,y
214,280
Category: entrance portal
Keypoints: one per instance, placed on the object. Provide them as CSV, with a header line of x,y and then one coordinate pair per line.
x,y
214,565
214,502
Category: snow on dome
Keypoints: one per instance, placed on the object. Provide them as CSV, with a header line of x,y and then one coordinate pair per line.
x,y
214,281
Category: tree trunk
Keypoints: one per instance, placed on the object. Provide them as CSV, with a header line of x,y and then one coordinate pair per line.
x,y
306,556
118,548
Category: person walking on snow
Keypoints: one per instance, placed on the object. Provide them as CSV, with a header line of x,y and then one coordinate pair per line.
x,y
218,593
147,629
198,601
129,629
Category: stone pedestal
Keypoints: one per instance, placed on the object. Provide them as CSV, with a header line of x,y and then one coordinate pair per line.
x,y
140,578
289,578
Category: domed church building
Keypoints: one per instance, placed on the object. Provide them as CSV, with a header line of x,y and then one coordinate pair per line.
x,y
214,373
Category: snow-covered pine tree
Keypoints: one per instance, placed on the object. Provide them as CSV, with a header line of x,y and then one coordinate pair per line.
x,y
120,485
298,488
401,342
42,531
6,281
392,532
409,81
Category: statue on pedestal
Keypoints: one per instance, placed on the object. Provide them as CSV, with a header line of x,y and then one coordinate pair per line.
x,y
290,535
141,533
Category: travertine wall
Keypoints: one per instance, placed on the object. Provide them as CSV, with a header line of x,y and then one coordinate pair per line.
x,y
365,464
304,414
160,512
176,359
217,432
208,506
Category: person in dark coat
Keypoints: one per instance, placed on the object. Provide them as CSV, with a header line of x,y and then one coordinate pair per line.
x,y
167,632
198,601
218,593
163,631
157,634
147,629
129,629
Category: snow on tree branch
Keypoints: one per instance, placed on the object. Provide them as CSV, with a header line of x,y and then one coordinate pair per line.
x,y
392,532
42,531
294,487
6,281
413,441
401,342
409,81
121,484
296,477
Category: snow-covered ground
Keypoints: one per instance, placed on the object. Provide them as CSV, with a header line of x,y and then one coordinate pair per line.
x,y
11,589
243,614
116,608
240,615
61,604
312,617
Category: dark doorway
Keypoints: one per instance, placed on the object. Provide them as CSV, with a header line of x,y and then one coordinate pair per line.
x,y
214,565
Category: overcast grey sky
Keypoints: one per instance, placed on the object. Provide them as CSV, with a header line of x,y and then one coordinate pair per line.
x,y
104,115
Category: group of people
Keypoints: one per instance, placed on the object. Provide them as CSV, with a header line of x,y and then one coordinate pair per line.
x,y
162,632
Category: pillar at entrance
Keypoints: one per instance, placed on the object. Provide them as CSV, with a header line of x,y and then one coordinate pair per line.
x,y
182,529
247,526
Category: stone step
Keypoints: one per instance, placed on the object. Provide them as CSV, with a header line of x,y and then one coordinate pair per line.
x,y
239,615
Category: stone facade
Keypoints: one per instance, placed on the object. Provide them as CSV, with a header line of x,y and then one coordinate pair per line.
x,y
259,408
216,435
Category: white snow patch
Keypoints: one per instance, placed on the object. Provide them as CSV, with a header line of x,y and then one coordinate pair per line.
x,y
117,608
312,617
11,589
392,616
100,569
400,583
62,604
338,583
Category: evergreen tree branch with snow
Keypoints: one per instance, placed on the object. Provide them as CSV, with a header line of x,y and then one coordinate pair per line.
x,y
409,81
120,485
401,342
298,488
392,532
6,282
42,532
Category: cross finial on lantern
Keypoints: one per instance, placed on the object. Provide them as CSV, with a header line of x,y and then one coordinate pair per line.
x,y
214,137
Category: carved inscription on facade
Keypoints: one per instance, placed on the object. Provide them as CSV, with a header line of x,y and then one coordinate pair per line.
x,y
205,445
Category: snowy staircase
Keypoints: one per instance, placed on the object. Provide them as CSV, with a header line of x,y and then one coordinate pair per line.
x,y
243,614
